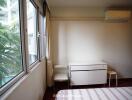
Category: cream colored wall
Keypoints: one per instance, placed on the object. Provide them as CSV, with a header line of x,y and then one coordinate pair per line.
x,y
118,47
30,87
82,40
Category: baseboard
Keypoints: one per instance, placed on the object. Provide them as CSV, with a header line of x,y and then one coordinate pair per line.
x,y
122,79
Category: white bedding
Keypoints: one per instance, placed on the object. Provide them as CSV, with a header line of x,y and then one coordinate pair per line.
x,y
118,93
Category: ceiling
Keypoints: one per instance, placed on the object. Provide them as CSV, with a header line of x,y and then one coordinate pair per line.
x,y
89,3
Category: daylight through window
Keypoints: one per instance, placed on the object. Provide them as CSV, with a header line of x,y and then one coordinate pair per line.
x,y
10,41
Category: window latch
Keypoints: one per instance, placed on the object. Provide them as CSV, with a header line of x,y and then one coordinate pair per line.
x,y
38,35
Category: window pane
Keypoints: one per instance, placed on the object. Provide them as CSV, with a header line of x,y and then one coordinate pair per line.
x,y
10,42
32,32
43,37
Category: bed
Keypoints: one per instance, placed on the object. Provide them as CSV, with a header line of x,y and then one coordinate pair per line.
x,y
118,93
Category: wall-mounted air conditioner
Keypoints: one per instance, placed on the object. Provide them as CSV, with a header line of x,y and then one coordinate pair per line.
x,y
117,15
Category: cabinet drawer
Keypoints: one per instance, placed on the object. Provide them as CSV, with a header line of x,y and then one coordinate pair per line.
x,y
88,77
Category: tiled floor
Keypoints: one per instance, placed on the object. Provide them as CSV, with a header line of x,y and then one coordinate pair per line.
x,y
50,92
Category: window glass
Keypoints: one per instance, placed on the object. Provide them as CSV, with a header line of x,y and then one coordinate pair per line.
x,y
10,41
42,36
32,32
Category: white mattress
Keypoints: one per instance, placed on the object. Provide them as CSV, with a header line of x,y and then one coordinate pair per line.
x,y
119,93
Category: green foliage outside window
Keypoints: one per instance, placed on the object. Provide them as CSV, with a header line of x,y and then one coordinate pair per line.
x,y
10,50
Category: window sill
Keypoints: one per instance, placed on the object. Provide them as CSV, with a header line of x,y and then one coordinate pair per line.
x,y
18,83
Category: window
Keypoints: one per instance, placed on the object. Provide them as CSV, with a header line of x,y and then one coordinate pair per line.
x,y
15,57
32,32
42,27
10,41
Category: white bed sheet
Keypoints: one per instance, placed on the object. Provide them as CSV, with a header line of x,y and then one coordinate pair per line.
x,y
117,93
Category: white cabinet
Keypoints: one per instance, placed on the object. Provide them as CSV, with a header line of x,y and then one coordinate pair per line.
x,y
88,74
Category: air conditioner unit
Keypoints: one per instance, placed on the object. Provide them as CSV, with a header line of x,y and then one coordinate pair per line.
x,y
117,15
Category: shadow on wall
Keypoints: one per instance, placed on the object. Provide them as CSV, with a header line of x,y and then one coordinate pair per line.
x,y
55,41
112,68
118,48
60,43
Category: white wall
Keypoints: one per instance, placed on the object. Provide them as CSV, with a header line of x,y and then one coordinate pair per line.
x,y
30,87
82,40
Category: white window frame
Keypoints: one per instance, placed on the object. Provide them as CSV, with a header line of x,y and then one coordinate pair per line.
x,y
42,36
